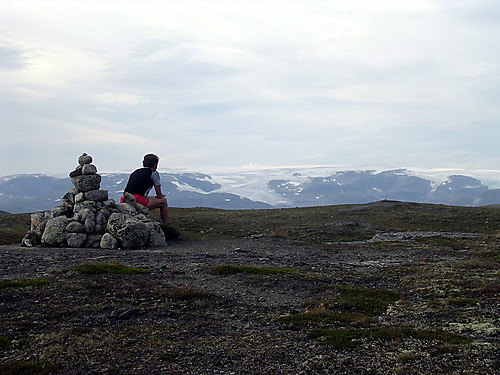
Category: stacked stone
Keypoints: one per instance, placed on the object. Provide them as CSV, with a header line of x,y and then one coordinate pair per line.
x,y
87,218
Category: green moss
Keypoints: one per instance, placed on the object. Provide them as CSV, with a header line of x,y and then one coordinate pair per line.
x,y
323,317
27,368
462,302
363,300
22,283
232,269
109,267
4,342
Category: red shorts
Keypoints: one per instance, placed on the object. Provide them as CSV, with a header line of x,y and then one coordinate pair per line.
x,y
139,199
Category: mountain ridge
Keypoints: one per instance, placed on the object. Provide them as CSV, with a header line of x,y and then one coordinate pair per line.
x,y
278,188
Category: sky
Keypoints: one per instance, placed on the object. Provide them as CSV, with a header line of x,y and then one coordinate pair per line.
x,y
249,84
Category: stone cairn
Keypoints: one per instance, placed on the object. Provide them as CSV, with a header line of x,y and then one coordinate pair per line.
x,y
87,218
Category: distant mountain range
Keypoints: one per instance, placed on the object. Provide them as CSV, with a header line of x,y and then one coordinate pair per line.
x,y
278,188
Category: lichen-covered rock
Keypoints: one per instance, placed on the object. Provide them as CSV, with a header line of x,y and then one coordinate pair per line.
x,y
76,239
127,208
86,183
54,233
59,211
108,241
80,197
75,227
96,195
156,236
36,219
128,198
130,232
141,209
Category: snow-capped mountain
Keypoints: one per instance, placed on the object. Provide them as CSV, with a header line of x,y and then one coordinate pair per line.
x,y
271,188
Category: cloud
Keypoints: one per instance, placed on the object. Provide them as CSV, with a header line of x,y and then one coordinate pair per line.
x,y
224,83
120,99
12,58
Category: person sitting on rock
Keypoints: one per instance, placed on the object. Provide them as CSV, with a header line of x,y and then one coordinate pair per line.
x,y
140,183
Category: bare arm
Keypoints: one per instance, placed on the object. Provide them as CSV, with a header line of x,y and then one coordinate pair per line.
x,y
159,193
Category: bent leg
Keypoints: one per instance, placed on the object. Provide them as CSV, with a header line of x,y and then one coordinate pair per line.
x,y
162,204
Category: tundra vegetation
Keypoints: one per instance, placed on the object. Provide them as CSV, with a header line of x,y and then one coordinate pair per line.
x,y
387,287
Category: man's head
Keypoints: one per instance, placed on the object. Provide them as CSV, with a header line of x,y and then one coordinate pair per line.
x,y
150,160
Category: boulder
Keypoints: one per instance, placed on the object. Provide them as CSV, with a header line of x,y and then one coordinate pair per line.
x,y
156,236
127,208
96,195
75,239
75,227
108,242
130,232
54,233
86,183
93,241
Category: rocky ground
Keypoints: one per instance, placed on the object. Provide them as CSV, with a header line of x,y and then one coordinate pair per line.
x,y
420,303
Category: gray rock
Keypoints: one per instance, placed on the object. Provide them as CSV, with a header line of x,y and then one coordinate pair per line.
x,y
76,239
84,159
128,198
76,172
80,197
127,208
130,232
100,218
87,213
86,183
74,227
93,241
32,238
99,229
96,195
89,225
54,233
156,236
79,207
108,241
141,209
70,197
89,169
36,219
59,211
109,203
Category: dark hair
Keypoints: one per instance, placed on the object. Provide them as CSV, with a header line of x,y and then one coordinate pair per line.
x,y
150,160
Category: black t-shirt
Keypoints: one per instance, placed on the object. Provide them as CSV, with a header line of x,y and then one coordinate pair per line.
x,y
140,181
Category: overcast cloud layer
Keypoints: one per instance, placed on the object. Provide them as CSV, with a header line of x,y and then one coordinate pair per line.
x,y
206,84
